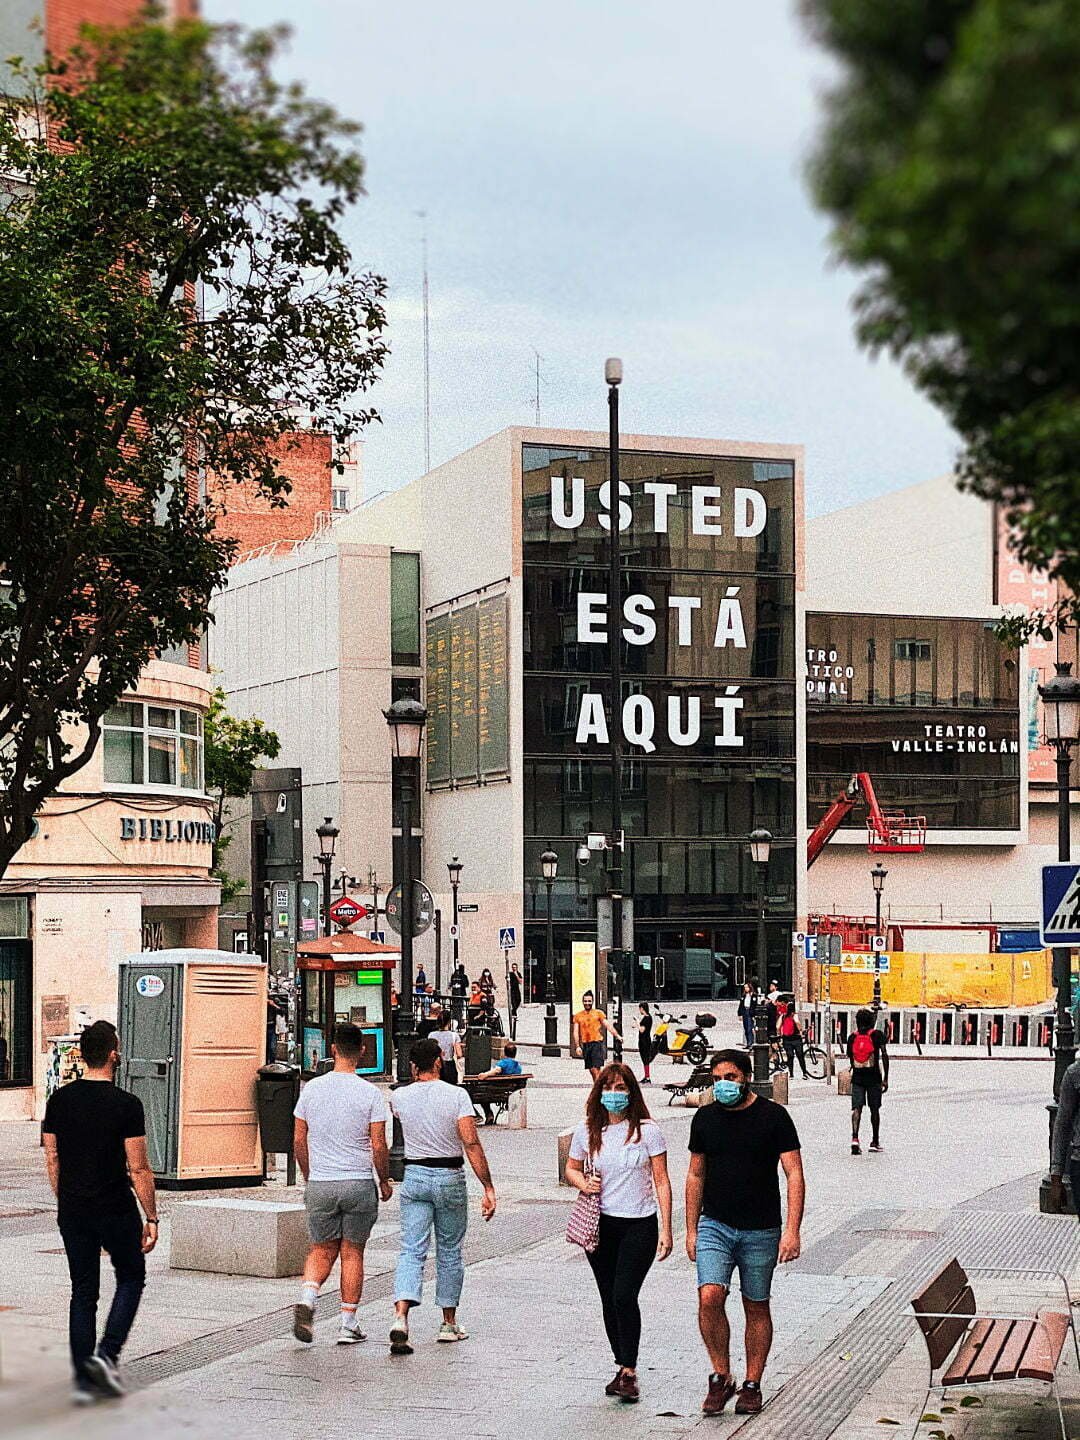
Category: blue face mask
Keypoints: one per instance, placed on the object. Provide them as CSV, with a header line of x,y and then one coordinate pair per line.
x,y
615,1101
728,1092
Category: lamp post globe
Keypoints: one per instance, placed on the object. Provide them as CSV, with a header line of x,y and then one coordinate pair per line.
x,y
406,720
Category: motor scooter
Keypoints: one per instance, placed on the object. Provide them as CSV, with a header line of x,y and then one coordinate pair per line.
x,y
682,1041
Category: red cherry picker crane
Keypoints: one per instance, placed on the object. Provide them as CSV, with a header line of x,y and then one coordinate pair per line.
x,y
892,834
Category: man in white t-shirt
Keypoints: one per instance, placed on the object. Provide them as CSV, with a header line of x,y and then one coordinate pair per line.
x,y
339,1136
439,1130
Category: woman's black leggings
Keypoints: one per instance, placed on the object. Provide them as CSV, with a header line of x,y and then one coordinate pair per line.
x,y
620,1263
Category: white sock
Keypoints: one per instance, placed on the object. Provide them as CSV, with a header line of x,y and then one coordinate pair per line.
x,y
348,1317
309,1293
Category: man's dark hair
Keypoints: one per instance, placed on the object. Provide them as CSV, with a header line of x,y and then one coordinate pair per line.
x,y
349,1040
739,1058
510,1049
97,1042
424,1055
587,995
864,1019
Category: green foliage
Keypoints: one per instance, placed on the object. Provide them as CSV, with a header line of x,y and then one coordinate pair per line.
x,y
171,271
233,748
950,162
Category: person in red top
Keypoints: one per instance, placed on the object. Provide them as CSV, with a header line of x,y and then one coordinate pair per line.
x,y
791,1037
869,1078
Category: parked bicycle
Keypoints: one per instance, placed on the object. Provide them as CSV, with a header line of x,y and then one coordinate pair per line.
x,y
812,1054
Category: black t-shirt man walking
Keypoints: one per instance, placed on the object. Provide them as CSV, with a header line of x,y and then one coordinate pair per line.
x,y
95,1152
734,1220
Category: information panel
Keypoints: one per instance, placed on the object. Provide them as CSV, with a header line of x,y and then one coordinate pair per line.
x,y
468,694
464,695
438,700
494,718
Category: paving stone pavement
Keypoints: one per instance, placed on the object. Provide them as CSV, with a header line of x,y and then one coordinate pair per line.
x,y
846,1360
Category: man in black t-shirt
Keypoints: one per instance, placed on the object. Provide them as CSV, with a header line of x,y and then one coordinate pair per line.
x,y
734,1220
869,1062
95,1152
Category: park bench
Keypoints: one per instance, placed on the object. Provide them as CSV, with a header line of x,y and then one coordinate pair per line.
x,y
495,1091
985,1347
700,1078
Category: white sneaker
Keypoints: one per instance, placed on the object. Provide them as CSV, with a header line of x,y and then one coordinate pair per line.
x,y
399,1337
450,1332
350,1335
79,1396
104,1374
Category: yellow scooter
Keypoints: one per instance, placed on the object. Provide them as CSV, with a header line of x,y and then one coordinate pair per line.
x,y
682,1041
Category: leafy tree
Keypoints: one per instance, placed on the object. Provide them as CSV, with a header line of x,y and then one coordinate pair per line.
x,y
233,748
950,161
171,271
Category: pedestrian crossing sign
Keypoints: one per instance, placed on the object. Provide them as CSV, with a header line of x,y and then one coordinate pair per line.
x,y
1060,921
507,938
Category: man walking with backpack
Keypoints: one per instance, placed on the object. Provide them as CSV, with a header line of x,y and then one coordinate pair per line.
x,y
869,1061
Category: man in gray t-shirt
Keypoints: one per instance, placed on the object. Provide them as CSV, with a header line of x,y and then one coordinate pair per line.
x,y
439,1130
340,1144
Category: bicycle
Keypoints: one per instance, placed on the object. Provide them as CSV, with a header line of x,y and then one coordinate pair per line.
x,y
813,1056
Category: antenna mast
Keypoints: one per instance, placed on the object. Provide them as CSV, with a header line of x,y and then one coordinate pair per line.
x,y
427,343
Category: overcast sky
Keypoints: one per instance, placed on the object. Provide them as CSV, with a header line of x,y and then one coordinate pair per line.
x,y
602,179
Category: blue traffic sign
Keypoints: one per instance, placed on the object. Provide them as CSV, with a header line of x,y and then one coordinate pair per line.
x,y
508,938
1060,920
379,936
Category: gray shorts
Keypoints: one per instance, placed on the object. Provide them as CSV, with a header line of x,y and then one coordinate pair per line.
x,y
341,1210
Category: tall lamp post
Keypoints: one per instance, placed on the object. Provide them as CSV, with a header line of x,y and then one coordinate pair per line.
x,y
406,719
327,833
613,374
1061,718
549,868
454,867
877,875
760,849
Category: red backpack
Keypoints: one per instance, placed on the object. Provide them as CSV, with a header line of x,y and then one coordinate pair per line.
x,y
862,1049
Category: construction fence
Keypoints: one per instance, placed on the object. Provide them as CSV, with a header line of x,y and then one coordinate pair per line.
x,y
914,980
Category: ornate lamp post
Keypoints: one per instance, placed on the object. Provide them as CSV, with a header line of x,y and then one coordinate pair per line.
x,y
760,849
406,719
1061,717
549,868
327,833
877,875
454,868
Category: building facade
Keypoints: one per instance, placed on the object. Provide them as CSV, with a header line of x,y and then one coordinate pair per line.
x,y
481,587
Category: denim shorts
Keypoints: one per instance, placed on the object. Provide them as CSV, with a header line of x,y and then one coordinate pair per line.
x,y
721,1250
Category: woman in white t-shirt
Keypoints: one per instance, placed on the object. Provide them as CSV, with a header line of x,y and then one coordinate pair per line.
x,y
627,1156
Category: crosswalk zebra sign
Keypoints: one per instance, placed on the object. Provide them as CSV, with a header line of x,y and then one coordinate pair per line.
x,y
1060,923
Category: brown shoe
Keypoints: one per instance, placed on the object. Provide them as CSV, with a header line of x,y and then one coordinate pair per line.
x,y
721,1389
749,1401
629,1389
614,1387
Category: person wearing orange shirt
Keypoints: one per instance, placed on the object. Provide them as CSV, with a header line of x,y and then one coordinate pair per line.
x,y
589,1027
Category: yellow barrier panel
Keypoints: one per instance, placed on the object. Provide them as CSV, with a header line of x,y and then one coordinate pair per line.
x,y
998,981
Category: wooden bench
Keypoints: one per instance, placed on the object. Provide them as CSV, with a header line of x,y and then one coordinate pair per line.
x,y
492,1095
700,1078
987,1348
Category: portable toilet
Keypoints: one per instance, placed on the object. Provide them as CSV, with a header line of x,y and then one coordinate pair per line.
x,y
192,1029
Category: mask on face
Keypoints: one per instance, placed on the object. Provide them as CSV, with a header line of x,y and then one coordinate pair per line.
x,y
615,1101
729,1092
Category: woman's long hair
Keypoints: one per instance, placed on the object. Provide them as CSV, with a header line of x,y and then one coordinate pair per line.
x,y
596,1117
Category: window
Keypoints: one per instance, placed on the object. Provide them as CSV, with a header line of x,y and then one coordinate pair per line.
x,y
339,497
911,649
404,608
15,992
160,746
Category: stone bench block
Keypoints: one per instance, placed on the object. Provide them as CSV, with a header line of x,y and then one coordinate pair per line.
x,y
239,1237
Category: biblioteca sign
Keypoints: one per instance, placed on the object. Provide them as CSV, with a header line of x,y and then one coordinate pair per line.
x,y
166,831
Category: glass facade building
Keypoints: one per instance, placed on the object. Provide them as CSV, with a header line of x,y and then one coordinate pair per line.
x,y
707,708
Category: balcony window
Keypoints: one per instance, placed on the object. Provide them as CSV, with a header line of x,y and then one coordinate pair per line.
x,y
156,746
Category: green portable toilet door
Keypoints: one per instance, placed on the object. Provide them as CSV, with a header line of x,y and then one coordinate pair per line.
x,y
149,1048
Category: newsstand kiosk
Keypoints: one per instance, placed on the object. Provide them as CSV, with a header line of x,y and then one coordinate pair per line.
x,y
346,977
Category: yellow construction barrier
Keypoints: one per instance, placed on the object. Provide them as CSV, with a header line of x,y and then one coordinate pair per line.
x,y
999,981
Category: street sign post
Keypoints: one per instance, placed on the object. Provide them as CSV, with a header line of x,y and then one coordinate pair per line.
x,y
507,938
345,911
1059,922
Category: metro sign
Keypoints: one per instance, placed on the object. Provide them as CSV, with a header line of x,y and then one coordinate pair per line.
x,y
346,911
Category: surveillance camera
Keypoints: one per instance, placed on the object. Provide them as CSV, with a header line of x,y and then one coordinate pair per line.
x,y
583,854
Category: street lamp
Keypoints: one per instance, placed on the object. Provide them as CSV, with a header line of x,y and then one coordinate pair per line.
x,y
1061,719
454,868
760,850
549,868
877,875
613,374
327,833
406,719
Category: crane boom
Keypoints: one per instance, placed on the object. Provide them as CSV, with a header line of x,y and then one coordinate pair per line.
x,y
859,784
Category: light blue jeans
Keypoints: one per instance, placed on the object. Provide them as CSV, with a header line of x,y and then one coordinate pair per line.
x,y
432,1199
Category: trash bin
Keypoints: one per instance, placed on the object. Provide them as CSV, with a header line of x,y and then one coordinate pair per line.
x,y
275,1097
477,1052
